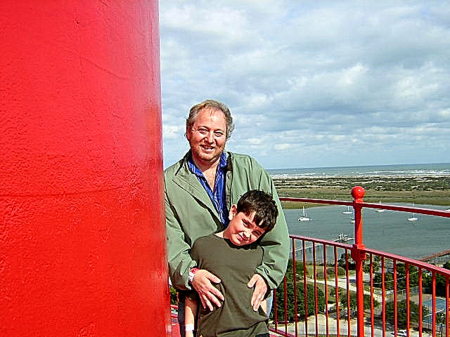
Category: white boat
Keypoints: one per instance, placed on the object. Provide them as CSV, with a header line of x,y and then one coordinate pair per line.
x,y
304,216
348,211
342,238
413,218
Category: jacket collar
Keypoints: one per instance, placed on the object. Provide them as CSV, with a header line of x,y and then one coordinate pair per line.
x,y
188,181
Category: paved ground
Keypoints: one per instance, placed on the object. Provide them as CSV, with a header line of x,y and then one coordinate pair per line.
x,y
343,328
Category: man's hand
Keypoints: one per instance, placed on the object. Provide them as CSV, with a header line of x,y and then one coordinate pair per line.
x,y
208,294
260,286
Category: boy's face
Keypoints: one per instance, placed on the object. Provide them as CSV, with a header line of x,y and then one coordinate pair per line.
x,y
242,230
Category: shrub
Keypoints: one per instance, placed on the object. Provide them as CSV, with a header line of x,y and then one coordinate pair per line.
x,y
401,313
300,301
173,296
300,296
330,272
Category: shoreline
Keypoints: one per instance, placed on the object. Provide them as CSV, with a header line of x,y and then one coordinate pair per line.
x,y
425,190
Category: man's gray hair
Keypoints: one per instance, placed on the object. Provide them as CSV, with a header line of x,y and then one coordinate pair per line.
x,y
213,105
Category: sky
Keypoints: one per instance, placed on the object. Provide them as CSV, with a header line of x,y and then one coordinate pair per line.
x,y
311,83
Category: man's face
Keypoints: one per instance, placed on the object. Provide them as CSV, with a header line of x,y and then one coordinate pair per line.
x,y
242,229
207,137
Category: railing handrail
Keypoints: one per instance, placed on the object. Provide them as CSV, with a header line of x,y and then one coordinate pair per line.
x,y
391,256
359,251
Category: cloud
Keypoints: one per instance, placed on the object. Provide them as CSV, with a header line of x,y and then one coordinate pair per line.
x,y
312,84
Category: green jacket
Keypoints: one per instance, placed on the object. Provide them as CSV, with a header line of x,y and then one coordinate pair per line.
x,y
190,214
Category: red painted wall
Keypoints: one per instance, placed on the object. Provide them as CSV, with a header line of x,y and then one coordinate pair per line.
x,y
82,239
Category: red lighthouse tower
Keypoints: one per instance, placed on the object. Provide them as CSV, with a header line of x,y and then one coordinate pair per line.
x,y
82,240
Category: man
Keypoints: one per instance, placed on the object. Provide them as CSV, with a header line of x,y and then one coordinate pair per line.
x,y
199,192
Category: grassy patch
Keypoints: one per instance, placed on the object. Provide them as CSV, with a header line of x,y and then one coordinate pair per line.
x,y
418,190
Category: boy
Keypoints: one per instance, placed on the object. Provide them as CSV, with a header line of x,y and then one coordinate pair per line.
x,y
233,256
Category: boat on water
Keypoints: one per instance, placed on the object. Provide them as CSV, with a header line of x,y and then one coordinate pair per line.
x,y
342,238
413,218
379,210
304,216
348,211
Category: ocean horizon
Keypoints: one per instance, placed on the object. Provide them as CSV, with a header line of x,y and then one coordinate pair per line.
x,y
407,170
388,231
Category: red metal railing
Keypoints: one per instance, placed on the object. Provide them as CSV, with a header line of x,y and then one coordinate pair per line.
x,y
394,295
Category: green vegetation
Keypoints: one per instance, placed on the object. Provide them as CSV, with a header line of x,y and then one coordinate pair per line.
x,y
343,262
290,295
173,296
413,279
353,301
419,190
330,272
414,310
441,289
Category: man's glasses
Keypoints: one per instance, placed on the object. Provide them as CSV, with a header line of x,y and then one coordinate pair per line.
x,y
205,132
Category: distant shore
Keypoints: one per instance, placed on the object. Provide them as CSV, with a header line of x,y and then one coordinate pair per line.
x,y
423,190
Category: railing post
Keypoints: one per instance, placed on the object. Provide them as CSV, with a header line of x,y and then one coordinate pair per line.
x,y
358,255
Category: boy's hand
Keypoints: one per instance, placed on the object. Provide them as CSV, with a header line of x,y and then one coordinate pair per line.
x,y
208,294
260,286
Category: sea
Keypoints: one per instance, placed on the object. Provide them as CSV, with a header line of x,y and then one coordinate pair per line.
x,y
433,170
388,231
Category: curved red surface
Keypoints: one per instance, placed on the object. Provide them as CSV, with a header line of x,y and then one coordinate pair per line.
x,y
82,239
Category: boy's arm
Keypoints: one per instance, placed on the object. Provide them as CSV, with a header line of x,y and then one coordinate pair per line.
x,y
190,313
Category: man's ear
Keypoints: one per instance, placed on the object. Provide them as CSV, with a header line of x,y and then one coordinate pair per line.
x,y
233,212
188,133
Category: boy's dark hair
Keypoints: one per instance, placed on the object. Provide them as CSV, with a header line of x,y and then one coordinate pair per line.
x,y
263,204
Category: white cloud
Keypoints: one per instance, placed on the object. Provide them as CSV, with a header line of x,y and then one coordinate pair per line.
x,y
171,131
254,141
312,84
283,146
